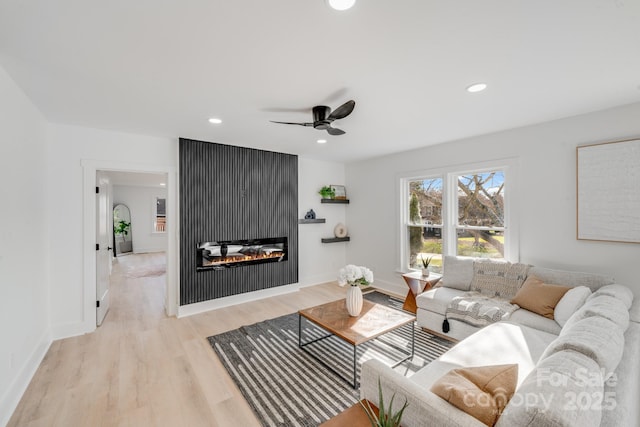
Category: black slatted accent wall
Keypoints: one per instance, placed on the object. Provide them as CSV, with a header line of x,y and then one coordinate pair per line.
x,y
235,193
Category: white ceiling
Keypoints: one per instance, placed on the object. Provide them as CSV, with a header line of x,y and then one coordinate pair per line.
x,y
164,67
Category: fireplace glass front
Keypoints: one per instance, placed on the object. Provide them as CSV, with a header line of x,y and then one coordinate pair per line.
x,y
237,253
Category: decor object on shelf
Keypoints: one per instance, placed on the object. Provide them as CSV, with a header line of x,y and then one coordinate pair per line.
x,y
384,417
339,192
310,214
340,230
353,276
425,265
327,192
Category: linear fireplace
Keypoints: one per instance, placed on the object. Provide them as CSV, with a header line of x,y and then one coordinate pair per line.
x,y
237,253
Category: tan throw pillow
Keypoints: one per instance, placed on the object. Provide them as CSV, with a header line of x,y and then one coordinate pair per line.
x,y
539,297
482,391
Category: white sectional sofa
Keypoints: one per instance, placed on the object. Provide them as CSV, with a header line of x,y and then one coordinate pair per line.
x,y
585,372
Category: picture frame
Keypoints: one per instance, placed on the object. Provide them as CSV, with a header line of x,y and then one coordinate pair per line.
x,y
340,192
608,198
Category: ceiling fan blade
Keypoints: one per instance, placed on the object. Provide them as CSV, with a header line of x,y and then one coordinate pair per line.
x,y
290,123
342,111
335,131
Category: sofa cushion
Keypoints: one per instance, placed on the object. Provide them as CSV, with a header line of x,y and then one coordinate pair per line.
x,y
539,297
457,272
437,299
553,395
595,337
501,343
603,306
571,278
623,293
498,279
480,391
620,406
570,303
535,321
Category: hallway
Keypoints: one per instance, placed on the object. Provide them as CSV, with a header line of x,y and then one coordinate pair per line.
x,y
141,368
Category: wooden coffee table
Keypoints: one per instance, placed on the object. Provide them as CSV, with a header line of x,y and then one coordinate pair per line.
x,y
374,320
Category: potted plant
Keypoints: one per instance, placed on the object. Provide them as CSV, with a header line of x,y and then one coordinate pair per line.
x,y
425,265
385,416
327,192
121,228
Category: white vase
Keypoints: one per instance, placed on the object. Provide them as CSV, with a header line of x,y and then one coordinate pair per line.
x,y
425,272
354,300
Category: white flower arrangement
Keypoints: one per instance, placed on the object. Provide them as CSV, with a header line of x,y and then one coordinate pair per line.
x,y
355,275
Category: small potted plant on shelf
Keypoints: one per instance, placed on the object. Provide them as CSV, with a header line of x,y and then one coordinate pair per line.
x,y
425,265
327,192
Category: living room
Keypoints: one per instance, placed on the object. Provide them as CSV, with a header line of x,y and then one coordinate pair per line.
x,y
42,153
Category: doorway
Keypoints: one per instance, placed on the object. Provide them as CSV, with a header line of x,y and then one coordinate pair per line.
x,y
135,234
122,174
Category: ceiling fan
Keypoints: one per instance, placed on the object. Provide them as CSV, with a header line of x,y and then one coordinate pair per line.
x,y
323,116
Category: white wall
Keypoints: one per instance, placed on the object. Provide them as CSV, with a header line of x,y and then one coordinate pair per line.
x,y
141,203
319,262
24,290
546,208
67,146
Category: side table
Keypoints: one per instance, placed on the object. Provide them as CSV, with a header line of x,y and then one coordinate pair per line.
x,y
417,284
350,417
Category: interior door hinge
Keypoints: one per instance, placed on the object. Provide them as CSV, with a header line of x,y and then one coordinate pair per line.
x,y
97,246
97,190
97,304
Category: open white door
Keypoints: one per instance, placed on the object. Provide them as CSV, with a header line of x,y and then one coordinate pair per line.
x,y
103,250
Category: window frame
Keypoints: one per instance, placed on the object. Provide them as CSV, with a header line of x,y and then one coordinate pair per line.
x,y
449,175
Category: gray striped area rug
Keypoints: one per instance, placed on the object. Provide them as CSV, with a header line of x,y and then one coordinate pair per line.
x,y
286,387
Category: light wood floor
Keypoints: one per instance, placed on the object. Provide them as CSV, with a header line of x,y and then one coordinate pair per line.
x,y
141,368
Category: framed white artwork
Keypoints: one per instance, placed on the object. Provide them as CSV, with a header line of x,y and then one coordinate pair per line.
x,y
608,191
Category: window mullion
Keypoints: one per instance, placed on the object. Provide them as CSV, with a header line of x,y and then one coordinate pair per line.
x,y
450,207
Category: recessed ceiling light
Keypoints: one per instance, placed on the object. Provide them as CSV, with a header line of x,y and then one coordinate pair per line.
x,y
322,141
215,121
341,4
162,184
477,87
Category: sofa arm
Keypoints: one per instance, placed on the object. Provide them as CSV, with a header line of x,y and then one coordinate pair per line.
x,y
425,408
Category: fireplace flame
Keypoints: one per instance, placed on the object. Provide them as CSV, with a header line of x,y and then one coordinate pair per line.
x,y
241,258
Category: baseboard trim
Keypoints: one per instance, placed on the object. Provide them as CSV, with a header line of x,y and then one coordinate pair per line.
x,y
10,400
391,288
69,330
201,307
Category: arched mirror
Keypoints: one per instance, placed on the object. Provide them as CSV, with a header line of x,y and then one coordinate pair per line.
x,y
122,240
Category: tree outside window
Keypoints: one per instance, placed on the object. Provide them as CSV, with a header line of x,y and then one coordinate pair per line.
x,y
478,228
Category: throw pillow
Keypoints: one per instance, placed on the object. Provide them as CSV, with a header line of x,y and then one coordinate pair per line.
x,y
498,279
570,303
539,297
457,272
482,391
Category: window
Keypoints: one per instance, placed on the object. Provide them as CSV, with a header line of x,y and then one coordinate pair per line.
x,y
160,215
480,219
457,212
425,221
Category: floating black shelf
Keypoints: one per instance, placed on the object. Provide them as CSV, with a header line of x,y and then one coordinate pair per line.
x,y
343,201
336,239
312,221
